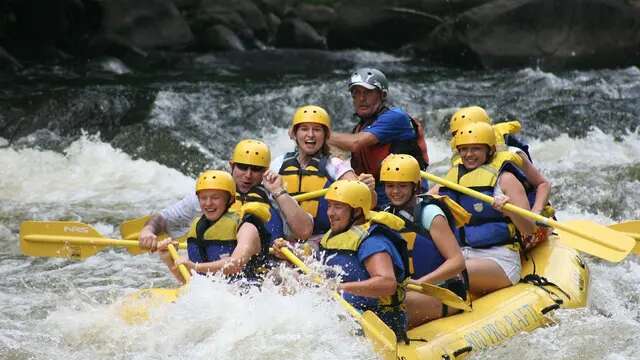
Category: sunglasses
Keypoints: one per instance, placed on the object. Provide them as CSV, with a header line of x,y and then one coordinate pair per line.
x,y
254,168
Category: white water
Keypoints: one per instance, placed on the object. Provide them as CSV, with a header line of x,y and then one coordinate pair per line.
x,y
55,308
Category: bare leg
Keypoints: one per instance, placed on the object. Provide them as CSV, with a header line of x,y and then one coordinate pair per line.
x,y
423,308
486,276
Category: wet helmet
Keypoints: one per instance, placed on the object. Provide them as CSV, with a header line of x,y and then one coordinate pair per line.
x,y
351,192
475,133
216,180
400,168
369,78
252,152
466,115
311,114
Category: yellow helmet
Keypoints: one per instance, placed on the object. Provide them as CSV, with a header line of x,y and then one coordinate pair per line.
x,y
252,152
351,192
311,114
400,168
216,180
475,133
466,115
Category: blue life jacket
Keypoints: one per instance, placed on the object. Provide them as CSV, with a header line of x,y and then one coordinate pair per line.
x,y
209,241
342,250
424,256
488,227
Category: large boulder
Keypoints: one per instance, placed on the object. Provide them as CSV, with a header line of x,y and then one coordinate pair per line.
x,y
220,37
242,17
296,33
318,16
546,33
145,24
379,24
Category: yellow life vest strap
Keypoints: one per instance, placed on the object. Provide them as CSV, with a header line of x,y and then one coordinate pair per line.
x,y
460,215
503,129
261,210
345,241
223,229
386,218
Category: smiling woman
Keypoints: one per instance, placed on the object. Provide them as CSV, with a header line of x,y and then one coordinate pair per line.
x,y
310,167
490,240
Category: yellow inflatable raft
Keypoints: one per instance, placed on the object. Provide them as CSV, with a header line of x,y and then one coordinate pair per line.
x,y
555,275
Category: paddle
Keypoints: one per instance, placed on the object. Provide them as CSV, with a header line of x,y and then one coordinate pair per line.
x,y
446,296
583,235
382,337
631,229
181,268
66,239
130,229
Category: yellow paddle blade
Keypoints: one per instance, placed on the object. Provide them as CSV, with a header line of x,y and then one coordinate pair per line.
x,y
134,309
446,296
67,230
69,239
631,229
130,230
613,245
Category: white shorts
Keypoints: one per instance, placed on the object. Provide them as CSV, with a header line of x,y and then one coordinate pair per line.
x,y
506,258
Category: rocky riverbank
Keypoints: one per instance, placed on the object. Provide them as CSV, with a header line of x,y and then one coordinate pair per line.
x,y
473,33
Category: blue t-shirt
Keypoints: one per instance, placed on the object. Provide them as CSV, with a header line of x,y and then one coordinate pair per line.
x,y
377,243
393,125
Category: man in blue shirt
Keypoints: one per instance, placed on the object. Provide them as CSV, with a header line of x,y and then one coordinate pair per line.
x,y
381,130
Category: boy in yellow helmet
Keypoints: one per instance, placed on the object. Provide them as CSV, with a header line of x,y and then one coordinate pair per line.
x,y
220,240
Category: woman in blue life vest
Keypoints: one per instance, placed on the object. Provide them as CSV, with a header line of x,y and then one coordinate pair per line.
x,y
371,254
537,186
221,240
434,254
491,240
309,168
